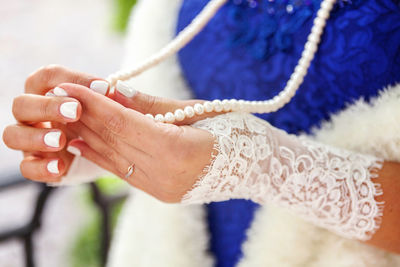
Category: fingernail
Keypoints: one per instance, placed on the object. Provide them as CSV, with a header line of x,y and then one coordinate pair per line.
x,y
100,87
52,166
125,89
49,94
52,139
60,92
74,150
69,109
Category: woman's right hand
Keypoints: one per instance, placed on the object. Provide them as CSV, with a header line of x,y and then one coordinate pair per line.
x,y
40,131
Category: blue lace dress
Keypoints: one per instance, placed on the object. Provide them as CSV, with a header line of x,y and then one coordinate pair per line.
x,y
250,49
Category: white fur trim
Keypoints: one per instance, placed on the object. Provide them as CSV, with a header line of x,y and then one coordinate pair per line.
x,y
372,128
151,233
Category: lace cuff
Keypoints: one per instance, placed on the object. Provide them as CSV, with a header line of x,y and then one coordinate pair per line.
x,y
328,186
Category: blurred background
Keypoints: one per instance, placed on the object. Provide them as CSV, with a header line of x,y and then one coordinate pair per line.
x,y
63,227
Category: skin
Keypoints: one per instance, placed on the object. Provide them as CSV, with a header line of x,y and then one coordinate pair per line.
x,y
168,158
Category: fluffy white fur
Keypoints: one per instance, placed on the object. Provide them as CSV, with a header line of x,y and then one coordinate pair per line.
x,y
151,233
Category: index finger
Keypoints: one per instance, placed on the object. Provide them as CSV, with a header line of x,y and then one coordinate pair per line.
x,y
48,77
127,124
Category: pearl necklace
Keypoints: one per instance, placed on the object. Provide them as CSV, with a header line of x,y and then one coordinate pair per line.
x,y
232,105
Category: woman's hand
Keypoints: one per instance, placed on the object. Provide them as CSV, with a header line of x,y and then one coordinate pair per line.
x,y
168,158
41,131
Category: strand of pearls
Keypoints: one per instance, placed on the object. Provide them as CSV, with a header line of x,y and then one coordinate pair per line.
x,y
232,105
272,105
184,37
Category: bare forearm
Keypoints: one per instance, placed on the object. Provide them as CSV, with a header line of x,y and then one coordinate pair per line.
x,y
387,237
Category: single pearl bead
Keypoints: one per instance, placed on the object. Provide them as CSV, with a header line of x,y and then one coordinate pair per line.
x,y
291,86
189,111
297,78
316,30
307,55
291,93
208,107
314,38
169,117
217,105
226,105
198,109
179,114
248,106
274,108
159,118
322,13
254,106
240,104
234,104
319,22
312,47
150,116
261,106
327,5
303,62
300,70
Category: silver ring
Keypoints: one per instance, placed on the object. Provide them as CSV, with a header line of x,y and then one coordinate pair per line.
x,y
131,170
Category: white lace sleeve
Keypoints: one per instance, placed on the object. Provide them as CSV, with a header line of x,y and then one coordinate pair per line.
x,y
330,187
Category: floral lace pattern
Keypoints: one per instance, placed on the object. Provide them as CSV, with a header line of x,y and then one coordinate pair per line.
x,y
330,187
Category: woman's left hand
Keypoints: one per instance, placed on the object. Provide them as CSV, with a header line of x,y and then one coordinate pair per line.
x,y
168,158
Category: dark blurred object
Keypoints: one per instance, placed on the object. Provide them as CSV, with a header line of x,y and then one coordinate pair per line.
x,y
26,232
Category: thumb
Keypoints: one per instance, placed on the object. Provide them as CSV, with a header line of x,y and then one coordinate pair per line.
x,y
148,104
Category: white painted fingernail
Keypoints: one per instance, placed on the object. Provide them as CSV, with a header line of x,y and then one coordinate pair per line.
x,y
52,139
52,166
125,89
74,150
100,87
49,94
60,92
69,109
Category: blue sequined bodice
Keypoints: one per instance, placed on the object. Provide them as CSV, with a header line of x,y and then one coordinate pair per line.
x,y
249,50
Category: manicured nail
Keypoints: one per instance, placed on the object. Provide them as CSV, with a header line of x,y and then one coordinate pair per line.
x,y
52,139
69,109
60,92
100,87
74,150
125,89
52,166
49,94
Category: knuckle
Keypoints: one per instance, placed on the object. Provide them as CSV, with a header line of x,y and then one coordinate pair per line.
x,y
46,109
149,105
43,75
174,144
108,137
117,122
18,103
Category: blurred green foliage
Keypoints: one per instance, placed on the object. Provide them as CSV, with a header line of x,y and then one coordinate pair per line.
x,y
85,250
121,14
